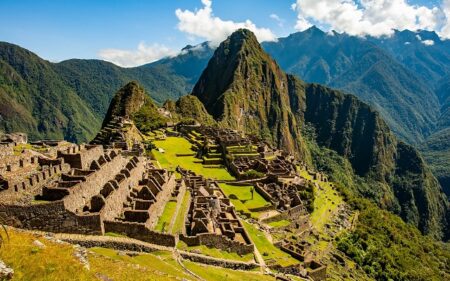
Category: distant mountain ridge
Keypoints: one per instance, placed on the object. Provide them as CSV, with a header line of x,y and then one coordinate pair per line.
x,y
69,99
362,67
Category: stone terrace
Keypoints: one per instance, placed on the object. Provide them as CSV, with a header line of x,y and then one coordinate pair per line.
x,y
212,220
241,153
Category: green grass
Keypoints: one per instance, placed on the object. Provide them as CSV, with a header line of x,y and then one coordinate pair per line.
x,y
165,218
179,221
179,145
158,266
113,234
216,253
57,262
54,262
244,194
280,223
323,205
197,134
222,274
268,251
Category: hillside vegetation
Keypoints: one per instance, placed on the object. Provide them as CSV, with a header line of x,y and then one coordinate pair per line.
x,y
68,100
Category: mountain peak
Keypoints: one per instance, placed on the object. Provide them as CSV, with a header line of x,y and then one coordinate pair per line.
x,y
315,30
127,100
244,89
228,62
243,34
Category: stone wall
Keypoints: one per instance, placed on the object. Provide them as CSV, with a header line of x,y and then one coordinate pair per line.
x,y
51,217
38,179
219,262
141,232
114,201
264,193
6,149
316,270
81,193
218,241
81,156
292,213
157,208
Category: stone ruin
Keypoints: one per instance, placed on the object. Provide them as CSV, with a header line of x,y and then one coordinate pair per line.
x,y
283,196
212,220
17,138
86,189
23,173
120,133
241,153
275,167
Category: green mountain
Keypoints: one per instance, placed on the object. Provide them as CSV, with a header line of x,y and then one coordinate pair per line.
x,y
429,61
69,99
361,67
243,88
188,109
34,99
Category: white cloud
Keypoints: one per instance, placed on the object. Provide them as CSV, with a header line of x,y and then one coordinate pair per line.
x,y
368,17
202,23
445,31
142,55
279,20
428,42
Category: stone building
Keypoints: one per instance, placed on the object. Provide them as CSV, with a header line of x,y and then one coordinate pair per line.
x,y
212,220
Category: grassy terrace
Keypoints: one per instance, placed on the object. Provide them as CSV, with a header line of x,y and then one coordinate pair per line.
x,y
179,221
326,201
178,145
216,253
269,252
216,273
280,223
164,221
244,196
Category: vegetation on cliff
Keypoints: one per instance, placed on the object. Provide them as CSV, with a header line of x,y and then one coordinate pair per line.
x,y
132,101
244,89
384,245
188,109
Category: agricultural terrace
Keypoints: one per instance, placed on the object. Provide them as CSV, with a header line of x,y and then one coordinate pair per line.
x,y
176,151
241,197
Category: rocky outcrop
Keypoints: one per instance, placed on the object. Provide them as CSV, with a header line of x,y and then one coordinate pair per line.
x,y
127,101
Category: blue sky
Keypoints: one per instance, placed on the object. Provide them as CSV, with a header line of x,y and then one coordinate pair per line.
x,y
63,29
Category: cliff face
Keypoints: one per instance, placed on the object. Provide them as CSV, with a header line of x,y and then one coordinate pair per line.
x,y
243,88
405,185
